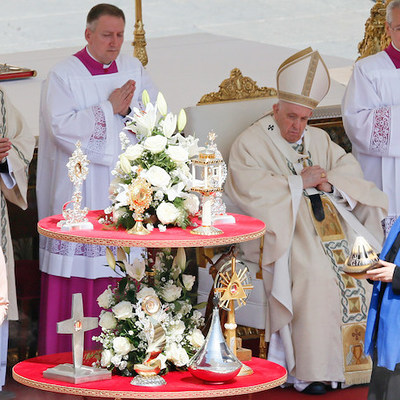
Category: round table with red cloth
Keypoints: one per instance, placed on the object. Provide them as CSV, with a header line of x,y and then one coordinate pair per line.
x,y
180,385
245,229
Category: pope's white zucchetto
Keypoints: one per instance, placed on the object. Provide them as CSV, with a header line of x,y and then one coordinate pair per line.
x,y
303,79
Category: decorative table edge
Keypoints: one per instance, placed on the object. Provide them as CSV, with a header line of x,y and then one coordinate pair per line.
x,y
146,241
149,395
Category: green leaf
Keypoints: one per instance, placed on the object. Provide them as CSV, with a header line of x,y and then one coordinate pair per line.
x,y
199,306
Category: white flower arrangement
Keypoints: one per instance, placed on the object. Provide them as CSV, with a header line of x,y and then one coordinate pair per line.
x,y
126,327
162,157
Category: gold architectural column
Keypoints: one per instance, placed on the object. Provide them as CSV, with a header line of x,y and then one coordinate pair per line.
x,y
375,38
139,41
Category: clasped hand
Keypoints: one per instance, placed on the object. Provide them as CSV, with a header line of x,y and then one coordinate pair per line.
x,y
315,176
5,146
121,98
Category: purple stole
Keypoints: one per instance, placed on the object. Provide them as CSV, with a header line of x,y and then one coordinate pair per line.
x,y
93,66
394,55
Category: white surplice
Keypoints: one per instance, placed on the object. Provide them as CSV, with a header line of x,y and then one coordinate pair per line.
x,y
371,117
75,106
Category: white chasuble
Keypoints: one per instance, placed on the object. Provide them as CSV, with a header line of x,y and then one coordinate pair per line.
x,y
302,286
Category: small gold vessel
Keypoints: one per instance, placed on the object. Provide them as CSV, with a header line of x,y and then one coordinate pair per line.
x,y
361,259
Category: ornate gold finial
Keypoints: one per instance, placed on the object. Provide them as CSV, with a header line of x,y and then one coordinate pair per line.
x,y
139,41
375,38
237,87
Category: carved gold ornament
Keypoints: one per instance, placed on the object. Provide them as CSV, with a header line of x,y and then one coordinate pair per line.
x,y
237,87
375,38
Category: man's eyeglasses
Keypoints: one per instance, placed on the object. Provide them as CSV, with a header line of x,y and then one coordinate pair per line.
x,y
396,29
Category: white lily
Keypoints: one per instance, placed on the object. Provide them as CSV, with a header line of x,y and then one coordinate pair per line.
x,y
161,104
136,270
145,97
180,259
169,125
110,258
190,144
175,191
181,120
145,120
125,164
121,255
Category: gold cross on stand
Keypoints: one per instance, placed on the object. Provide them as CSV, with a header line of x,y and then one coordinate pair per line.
x,y
232,285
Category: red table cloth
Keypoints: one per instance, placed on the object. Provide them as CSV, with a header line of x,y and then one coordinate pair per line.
x,y
179,384
245,229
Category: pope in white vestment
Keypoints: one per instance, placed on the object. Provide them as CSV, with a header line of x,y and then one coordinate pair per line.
x,y
312,305
76,104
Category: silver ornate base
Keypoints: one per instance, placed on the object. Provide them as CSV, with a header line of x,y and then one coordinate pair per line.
x,y
155,380
224,219
206,230
67,373
79,226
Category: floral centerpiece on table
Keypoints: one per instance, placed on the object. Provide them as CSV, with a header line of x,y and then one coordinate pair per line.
x,y
128,325
162,157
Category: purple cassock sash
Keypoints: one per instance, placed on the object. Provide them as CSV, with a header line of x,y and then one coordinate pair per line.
x,y
394,55
93,66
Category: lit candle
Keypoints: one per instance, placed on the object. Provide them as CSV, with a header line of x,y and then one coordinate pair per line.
x,y
206,214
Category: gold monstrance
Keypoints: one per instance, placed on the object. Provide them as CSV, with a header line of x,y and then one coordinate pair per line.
x,y
232,285
140,196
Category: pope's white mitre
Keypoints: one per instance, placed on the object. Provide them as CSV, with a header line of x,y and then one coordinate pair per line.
x,y
303,79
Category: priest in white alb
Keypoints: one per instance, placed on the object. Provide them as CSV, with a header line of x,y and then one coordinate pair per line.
x,y
16,150
371,114
314,201
85,98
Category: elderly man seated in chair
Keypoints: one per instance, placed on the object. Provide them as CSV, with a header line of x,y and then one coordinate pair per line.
x,y
314,201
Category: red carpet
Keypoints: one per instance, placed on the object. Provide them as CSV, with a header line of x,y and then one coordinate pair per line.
x,y
353,393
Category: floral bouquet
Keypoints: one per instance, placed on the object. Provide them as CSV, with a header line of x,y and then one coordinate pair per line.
x,y
142,300
162,157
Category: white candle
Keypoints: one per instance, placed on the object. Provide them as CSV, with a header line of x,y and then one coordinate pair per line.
x,y
206,214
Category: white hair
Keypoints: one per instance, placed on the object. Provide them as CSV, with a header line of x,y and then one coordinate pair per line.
x,y
389,10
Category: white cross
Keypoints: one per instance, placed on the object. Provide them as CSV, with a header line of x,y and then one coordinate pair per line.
x,y
77,325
